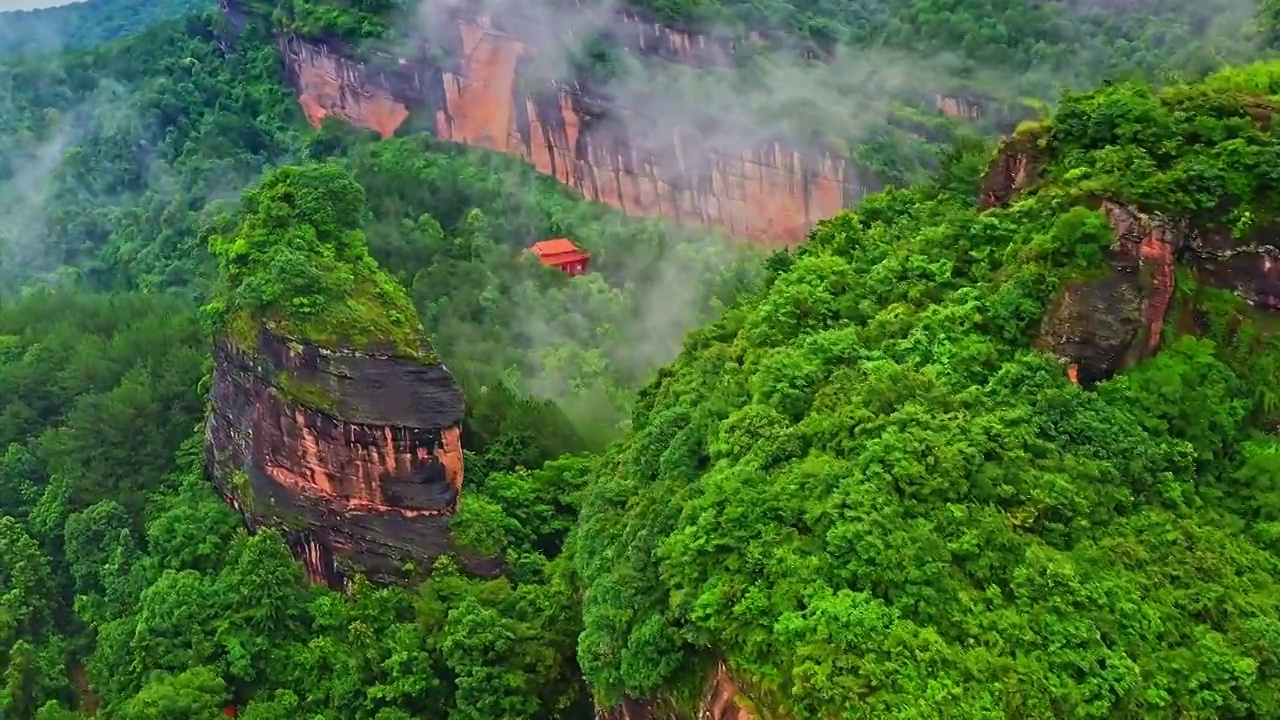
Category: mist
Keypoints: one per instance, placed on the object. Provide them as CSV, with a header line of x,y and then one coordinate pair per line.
x,y
678,114
730,101
744,98
25,255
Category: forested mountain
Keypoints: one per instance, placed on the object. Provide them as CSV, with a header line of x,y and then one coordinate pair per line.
x,y
997,443
905,480
85,24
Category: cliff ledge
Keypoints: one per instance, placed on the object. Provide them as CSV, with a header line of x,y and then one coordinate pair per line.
x,y
356,456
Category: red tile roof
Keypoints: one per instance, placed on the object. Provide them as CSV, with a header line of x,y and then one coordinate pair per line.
x,y
558,246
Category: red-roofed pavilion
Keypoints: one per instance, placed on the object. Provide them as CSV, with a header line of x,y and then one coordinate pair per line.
x,y
563,254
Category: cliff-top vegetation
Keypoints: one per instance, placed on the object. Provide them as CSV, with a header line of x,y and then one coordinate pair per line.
x,y
1002,45
866,488
298,264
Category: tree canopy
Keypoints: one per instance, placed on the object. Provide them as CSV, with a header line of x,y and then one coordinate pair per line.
x,y
298,261
865,488
85,24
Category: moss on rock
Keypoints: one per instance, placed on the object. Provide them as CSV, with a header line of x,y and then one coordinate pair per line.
x,y
296,262
307,393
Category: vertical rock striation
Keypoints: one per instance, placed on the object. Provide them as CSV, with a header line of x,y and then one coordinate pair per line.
x,y
356,456
486,94
1106,324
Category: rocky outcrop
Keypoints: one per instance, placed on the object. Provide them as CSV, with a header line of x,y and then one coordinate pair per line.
x,y
1107,322
960,106
722,699
355,456
1112,322
1014,169
1250,269
482,88
329,85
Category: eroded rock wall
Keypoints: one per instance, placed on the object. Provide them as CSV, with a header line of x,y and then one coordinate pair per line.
x,y
1116,320
960,106
486,94
328,84
356,456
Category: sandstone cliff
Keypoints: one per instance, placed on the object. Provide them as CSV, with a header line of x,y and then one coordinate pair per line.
x,y
357,456
961,106
1108,322
485,93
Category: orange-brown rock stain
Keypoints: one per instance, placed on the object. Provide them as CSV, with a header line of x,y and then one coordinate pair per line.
x,y
87,699
324,90
1156,253
1014,169
366,480
722,699
450,455
958,107
313,557
479,99
349,477
1153,241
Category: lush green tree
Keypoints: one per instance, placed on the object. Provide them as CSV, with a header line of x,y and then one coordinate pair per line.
x,y
195,694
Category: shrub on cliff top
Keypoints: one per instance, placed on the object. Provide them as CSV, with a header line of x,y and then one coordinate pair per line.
x,y
296,261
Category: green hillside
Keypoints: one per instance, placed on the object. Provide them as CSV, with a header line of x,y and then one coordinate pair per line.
x,y
865,488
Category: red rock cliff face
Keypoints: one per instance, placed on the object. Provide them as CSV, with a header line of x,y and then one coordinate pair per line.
x,y
367,483
771,193
957,106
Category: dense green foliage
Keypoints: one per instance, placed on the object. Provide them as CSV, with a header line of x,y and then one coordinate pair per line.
x,y
297,263
1071,39
865,489
85,24
860,486
111,157
108,155
144,582
350,19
